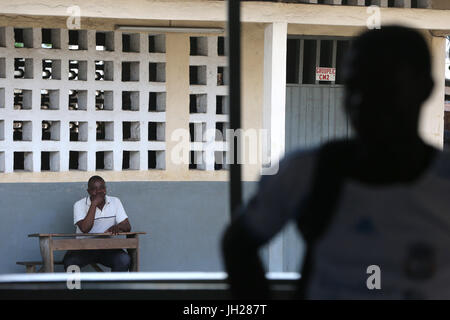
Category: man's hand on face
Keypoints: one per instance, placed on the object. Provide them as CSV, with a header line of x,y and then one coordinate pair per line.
x,y
113,229
98,199
97,192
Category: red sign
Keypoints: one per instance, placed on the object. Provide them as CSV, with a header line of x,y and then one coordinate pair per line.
x,y
325,74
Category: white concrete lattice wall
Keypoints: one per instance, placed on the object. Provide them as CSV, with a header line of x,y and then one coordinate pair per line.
x,y
113,116
207,149
381,3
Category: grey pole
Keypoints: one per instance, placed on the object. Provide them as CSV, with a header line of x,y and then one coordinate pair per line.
x,y
234,59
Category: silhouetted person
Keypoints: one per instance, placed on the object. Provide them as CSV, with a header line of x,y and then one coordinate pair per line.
x,y
379,198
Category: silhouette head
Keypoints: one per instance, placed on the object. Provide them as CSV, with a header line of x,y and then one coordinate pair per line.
x,y
387,76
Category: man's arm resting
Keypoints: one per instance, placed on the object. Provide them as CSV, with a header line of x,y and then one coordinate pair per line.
x,y
87,223
246,274
124,226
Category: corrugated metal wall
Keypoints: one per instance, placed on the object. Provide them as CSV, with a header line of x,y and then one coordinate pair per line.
x,y
314,114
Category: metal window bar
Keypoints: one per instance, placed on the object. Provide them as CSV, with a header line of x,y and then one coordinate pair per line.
x,y
234,57
301,60
333,57
318,44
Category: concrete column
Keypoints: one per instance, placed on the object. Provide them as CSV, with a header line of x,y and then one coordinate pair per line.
x,y
440,4
431,124
275,44
9,103
177,103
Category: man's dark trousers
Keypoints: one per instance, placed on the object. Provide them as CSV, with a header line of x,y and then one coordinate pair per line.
x,y
116,259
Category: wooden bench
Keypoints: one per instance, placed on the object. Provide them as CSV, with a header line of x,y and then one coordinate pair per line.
x,y
30,266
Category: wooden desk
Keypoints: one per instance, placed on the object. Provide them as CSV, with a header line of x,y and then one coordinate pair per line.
x,y
50,242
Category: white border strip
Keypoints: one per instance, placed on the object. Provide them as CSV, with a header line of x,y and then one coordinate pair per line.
x,y
134,276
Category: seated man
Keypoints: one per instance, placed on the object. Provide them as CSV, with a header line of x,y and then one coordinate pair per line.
x,y
99,213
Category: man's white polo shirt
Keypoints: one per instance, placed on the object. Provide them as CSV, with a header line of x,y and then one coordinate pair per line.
x,y
113,213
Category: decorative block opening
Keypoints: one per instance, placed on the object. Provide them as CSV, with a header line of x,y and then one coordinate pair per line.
x,y
51,130
220,46
51,69
156,131
104,41
130,160
104,100
22,131
157,71
222,76
77,100
157,43
23,38
23,68
197,131
51,39
2,37
221,128
78,160
2,161
22,99
49,161
2,129
23,161
105,131
2,68
2,97
198,103
197,160
199,46
104,70
420,4
77,70
130,71
222,105
78,40
78,131
197,75
157,101
220,161
131,130
130,100
49,99
156,159
130,42
104,160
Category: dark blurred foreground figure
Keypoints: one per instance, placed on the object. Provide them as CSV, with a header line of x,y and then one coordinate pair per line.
x,y
377,199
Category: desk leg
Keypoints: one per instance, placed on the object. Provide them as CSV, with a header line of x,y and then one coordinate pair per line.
x,y
47,254
134,255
